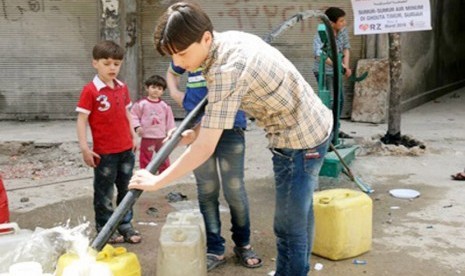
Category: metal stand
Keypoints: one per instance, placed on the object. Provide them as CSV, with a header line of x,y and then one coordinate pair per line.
x,y
332,165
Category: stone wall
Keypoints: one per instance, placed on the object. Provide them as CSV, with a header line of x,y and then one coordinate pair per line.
x,y
433,62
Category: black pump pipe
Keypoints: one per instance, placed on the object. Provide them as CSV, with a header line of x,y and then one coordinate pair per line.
x,y
336,69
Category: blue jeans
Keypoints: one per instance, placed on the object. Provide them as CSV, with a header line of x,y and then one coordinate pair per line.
x,y
113,170
225,168
296,174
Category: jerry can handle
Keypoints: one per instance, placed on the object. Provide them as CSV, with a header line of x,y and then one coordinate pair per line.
x,y
325,200
120,251
106,253
109,252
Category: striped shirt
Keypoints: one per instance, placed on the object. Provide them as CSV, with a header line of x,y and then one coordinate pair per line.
x,y
342,43
242,71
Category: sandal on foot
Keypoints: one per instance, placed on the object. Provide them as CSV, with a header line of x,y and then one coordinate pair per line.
x,y
132,236
458,176
115,238
214,261
245,254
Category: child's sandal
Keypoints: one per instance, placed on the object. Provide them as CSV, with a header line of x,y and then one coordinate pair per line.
x,y
132,236
245,254
116,238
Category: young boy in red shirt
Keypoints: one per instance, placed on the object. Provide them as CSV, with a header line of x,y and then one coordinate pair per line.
x,y
104,106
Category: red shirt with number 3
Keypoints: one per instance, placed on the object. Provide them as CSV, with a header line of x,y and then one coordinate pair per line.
x,y
108,122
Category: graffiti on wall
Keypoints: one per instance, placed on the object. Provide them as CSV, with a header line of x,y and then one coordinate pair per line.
x,y
249,15
14,10
110,20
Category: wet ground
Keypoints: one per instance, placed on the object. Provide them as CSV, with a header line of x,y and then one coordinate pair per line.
x,y
401,257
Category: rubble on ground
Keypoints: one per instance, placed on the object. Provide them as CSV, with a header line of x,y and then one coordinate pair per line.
x,y
40,160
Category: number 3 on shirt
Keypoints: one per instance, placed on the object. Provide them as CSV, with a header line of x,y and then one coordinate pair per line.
x,y
104,104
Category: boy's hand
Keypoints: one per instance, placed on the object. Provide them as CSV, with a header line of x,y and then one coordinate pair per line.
x,y
348,72
187,137
143,180
91,158
135,144
169,134
139,131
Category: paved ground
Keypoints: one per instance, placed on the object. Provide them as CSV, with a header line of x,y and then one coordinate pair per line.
x,y
423,236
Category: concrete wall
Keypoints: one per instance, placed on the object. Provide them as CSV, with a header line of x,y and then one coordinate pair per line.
x,y
260,18
64,32
45,57
433,62
119,22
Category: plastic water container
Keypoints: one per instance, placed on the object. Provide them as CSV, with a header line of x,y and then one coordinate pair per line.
x,y
26,269
182,249
11,236
343,223
188,218
117,259
4,211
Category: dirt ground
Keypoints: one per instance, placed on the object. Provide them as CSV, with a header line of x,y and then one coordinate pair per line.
x,y
48,185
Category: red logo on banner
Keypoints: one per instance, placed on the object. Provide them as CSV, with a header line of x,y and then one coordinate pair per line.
x,y
363,27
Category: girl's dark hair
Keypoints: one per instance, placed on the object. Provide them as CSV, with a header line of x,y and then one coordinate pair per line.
x,y
107,49
334,14
156,80
181,25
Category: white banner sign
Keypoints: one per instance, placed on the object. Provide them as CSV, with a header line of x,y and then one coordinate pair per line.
x,y
383,16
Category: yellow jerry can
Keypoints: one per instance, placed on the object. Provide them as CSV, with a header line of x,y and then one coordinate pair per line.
x,y
116,259
343,223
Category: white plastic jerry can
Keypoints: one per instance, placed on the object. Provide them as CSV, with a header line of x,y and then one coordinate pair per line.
x,y
182,248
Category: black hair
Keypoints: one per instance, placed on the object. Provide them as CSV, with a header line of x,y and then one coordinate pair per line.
x,y
107,49
334,14
156,80
181,25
